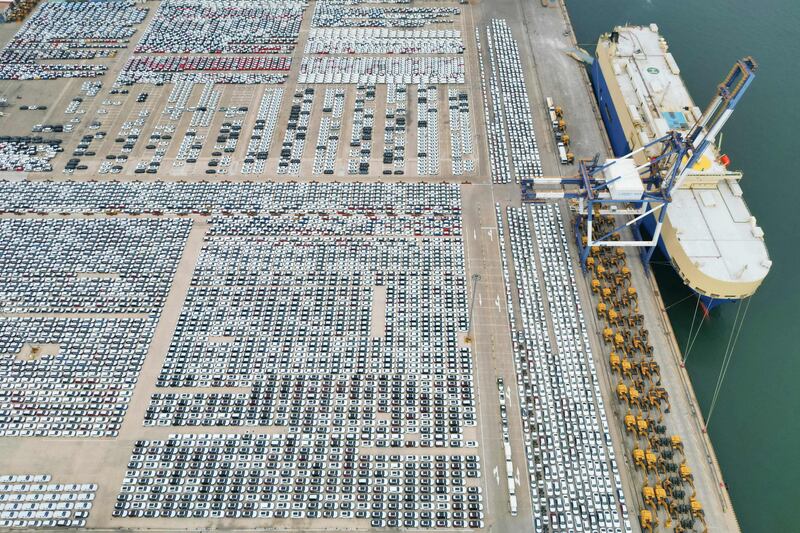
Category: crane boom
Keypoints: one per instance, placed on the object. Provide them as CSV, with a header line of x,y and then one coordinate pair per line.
x,y
729,92
619,187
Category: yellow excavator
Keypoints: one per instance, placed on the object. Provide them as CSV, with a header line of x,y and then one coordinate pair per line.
x,y
647,520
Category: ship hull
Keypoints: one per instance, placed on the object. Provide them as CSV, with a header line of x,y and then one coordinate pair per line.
x,y
621,147
648,226
611,120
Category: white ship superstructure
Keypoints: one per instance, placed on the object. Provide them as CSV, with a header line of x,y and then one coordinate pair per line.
x,y
709,234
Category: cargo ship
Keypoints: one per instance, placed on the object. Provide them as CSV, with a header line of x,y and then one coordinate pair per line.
x,y
709,235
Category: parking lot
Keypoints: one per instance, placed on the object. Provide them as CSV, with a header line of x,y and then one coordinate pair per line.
x,y
271,315
173,100
372,411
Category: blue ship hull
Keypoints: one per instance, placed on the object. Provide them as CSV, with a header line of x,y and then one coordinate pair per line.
x,y
619,143
620,146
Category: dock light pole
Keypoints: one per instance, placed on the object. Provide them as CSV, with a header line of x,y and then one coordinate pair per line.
x,y
475,279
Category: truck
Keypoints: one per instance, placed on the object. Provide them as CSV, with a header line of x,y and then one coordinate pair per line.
x,y
512,488
565,156
551,110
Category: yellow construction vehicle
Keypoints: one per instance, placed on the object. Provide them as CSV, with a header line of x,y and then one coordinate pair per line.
x,y
637,343
658,395
653,400
661,496
613,361
622,392
647,520
641,426
638,457
697,510
630,423
633,397
676,442
644,369
619,340
686,474
651,459
626,368
648,495
632,294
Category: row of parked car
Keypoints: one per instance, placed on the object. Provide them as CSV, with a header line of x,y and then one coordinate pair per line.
x,y
129,77
493,117
394,132
509,89
330,125
77,266
461,132
238,35
83,389
574,478
427,130
363,121
363,13
97,265
69,31
337,387
222,27
427,201
371,70
30,501
203,63
263,131
294,138
280,476
28,154
383,41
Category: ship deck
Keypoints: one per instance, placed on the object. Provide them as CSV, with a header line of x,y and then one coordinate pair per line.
x,y
713,224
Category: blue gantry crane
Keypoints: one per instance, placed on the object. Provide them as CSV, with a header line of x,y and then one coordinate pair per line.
x,y
628,191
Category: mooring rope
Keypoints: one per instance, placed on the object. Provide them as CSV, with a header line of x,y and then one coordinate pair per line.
x,y
670,306
726,360
689,341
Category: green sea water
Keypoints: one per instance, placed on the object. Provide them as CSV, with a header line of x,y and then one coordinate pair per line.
x,y
755,426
